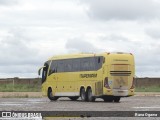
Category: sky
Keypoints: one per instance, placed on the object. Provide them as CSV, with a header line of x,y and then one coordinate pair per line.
x,y
31,31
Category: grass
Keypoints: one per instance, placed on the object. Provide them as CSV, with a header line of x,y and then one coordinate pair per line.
x,y
19,88
16,96
37,88
148,89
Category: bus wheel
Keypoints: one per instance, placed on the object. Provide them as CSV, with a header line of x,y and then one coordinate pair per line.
x,y
50,95
108,99
73,98
90,97
83,94
116,99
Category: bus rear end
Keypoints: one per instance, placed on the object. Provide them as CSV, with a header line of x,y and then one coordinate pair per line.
x,y
120,79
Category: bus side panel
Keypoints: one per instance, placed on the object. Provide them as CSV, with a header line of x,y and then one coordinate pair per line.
x,y
93,80
67,84
98,88
51,83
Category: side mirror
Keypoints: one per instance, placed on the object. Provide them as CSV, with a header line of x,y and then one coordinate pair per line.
x,y
39,71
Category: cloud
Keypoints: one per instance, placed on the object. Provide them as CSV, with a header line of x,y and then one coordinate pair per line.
x,y
115,38
153,33
146,59
38,13
79,45
33,30
123,9
8,2
16,44
17,56
116,42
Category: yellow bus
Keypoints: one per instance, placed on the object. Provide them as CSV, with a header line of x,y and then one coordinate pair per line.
x,y
109,76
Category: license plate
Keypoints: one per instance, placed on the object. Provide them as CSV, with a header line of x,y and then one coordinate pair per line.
x,y
120,91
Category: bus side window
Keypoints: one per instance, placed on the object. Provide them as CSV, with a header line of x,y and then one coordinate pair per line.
x,y
98,62
84,64
91,64
99,59
60,66
76,64
88,64
53,67
68,65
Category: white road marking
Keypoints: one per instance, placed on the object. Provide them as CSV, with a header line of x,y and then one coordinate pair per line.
x,y
19,103
147,107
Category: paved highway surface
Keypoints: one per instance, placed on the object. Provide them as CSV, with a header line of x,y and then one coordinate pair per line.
x,y
135,103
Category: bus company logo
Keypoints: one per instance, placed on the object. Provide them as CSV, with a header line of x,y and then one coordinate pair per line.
x,y
88,75
120,81
6,114
20,116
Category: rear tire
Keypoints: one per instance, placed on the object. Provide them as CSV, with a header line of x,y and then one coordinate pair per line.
x,y
108,99
73,98
90,97
50,95
83,94
116,99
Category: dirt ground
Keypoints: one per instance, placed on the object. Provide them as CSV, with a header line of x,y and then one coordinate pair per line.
x,y
20,94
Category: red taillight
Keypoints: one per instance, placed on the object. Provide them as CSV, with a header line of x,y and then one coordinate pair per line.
x,y
132,87
106,85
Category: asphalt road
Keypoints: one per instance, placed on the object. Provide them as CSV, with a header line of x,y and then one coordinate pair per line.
x,y
134,103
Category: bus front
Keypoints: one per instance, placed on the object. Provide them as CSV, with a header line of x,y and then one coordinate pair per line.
x,y
121,71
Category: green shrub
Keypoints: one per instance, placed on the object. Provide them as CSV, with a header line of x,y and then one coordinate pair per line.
x,y
148,89
19,88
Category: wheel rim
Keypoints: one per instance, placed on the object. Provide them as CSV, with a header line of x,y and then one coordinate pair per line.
x,y
51,95
117,99
89,94
82,94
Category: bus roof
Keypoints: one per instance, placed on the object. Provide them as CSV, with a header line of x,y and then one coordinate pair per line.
x,y
67,56
80,55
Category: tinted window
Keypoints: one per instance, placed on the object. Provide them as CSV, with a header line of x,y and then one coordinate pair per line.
x,y
92,64
45,71
53,67
88,64
98,62
60,66
76,64
68,65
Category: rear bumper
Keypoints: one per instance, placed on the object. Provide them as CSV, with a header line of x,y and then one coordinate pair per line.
x,y
118,92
